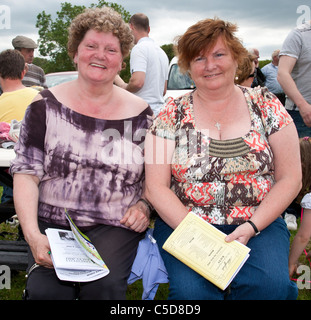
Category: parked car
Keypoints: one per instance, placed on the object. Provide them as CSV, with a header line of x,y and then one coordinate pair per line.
x,y
55,78
178,83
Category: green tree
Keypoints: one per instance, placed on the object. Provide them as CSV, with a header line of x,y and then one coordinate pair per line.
x,y
53,34
169,50
262,63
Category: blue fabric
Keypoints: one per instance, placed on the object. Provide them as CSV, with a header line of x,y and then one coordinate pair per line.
x,y
271,71
303,130
148,266
264,276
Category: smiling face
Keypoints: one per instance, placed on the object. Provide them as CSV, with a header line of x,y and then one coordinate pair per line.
x,y
99,56
215,68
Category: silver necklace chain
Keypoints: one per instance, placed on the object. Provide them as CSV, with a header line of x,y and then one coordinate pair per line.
x,y
217,123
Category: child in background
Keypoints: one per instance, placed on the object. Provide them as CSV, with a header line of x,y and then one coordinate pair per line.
x,y
304,233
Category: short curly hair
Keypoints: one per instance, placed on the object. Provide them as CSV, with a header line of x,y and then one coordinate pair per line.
x,y
12,64
203,36
103,20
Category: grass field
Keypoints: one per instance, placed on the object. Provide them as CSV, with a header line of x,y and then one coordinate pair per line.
x,y
134,291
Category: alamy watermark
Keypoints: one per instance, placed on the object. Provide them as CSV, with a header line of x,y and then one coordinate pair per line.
x,y
5,277
129,148
304,279
5,17
305,14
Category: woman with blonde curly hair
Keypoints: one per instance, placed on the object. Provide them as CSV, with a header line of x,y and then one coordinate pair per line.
x,y
79,149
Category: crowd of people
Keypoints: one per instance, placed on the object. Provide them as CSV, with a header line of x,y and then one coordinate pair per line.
x,y
235,151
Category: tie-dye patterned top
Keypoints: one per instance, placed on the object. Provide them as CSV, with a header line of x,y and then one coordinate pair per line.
x,y
223,181
92,167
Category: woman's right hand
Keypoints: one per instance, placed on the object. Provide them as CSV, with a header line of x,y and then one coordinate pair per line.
x,y
40,249
26,191
242,234
292,269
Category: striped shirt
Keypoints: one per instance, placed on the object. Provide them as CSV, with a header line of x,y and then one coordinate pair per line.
x,y
34,77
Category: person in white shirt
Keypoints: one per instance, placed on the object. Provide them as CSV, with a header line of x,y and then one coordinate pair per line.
x,y
270,71
148,65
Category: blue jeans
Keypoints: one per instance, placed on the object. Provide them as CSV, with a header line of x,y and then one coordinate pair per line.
x,y
264,276
303,130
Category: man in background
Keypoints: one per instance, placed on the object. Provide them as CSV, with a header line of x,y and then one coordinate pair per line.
x,y
15,97
148,65
294,75
259,79
270,71
35,75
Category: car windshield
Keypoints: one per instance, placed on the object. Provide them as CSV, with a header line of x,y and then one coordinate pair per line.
x,y
53,80
178,80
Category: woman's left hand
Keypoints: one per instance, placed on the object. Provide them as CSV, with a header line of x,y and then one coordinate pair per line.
x,y
136,217
242,233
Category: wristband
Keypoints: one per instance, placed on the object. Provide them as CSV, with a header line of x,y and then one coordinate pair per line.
x,y
257,232
148,205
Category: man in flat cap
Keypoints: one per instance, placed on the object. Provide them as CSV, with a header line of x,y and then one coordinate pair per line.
x,y
35,75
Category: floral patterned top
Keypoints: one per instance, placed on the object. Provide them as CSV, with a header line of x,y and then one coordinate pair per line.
x,y
223,181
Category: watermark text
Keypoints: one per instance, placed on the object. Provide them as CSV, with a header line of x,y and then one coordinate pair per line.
x,y
5,17
304,279
305,16
5,277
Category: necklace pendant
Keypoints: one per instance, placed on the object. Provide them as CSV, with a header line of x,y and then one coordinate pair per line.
x,y
217,125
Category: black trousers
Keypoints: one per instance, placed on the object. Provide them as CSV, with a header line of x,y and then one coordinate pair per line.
x,y
117,247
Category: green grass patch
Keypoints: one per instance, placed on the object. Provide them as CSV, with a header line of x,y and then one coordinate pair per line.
x,y
134,291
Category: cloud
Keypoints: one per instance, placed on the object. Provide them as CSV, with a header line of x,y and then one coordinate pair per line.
x,y
165,27
263,24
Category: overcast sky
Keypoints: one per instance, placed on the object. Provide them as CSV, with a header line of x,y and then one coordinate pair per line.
x,y
263,24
